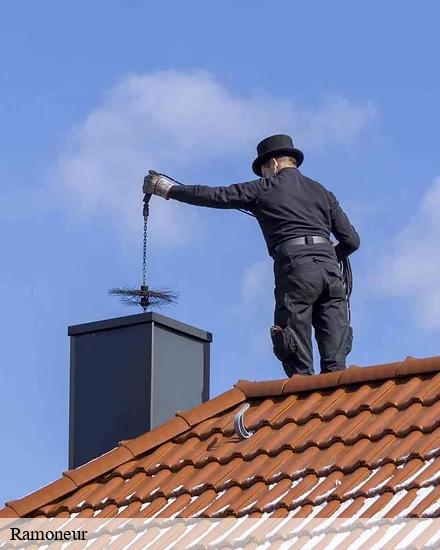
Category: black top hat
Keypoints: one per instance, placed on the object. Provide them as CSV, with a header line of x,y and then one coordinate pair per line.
x,y
276,146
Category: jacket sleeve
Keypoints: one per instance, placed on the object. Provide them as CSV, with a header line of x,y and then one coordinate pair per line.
x,y
237,195
348,239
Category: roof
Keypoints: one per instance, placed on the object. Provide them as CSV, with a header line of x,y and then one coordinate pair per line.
x,y
361,442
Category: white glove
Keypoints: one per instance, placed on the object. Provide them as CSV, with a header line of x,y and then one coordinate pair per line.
x,y
156,185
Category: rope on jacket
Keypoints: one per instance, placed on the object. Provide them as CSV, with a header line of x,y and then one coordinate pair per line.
x,y
345,262
348,282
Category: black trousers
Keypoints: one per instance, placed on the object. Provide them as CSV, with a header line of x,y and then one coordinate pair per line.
x,y
309,292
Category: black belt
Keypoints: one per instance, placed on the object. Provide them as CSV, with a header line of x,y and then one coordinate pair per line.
x,y
308,239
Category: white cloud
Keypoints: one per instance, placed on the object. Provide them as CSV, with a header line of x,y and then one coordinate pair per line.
x,y
257,278
168,120
337,123
255,307
410,266
256,293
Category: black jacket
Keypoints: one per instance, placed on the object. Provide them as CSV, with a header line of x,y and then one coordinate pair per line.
x,y
286,205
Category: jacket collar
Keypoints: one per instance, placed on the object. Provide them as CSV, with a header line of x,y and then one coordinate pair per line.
x,y
287,168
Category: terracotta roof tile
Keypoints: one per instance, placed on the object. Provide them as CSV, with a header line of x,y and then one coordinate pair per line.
x,y
357,443
431,501
153,439
212,407
46,494
99,466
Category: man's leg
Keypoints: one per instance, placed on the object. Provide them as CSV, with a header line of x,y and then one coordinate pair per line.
x,y
330,320
294,297
292,342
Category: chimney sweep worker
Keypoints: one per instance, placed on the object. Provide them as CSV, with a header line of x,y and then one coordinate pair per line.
x,y
296,215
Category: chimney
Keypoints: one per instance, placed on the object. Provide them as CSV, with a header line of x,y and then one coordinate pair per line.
x,y
130,374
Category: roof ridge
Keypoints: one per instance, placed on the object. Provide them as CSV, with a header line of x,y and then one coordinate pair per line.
x,y
124,452
353,375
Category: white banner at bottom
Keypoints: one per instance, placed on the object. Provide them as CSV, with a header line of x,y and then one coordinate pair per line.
x,y
215,534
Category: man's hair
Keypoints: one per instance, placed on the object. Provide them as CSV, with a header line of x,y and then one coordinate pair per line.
x,y
283,161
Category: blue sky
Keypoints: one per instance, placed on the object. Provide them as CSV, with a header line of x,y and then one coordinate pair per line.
x,y
93,94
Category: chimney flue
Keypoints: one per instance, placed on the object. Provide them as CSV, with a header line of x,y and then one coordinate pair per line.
x,y
129,375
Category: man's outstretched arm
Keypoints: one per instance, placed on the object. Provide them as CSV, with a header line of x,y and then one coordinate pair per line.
x,y
237,195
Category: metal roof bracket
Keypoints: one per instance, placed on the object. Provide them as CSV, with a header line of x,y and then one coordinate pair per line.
x,y
239,427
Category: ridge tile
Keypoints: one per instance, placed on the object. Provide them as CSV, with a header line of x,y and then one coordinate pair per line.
x,y
42,496
99,466
152,439
213,407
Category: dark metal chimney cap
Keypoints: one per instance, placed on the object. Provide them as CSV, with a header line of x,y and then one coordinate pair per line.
x,y
137,319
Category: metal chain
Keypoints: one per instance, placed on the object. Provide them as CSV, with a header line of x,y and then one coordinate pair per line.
x,y
144,287
144,262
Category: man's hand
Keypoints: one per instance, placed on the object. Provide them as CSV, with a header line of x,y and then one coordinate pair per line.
x,y
156,185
